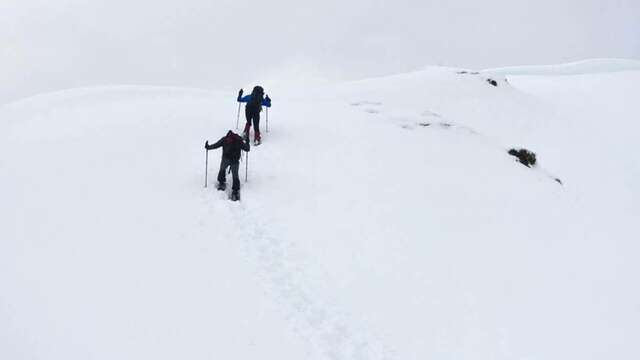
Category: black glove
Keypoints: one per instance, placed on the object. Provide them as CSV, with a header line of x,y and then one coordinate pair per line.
x,y
240,93
206,145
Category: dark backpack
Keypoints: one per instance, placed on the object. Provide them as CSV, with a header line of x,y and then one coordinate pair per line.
x,y
256,98
232,146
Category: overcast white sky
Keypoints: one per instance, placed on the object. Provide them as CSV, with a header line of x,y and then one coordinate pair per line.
x,y
54,44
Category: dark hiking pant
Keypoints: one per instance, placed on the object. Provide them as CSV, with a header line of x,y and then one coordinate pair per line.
x,y
224,164
252,115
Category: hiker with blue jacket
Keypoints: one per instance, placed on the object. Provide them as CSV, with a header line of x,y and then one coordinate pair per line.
x,y
255,101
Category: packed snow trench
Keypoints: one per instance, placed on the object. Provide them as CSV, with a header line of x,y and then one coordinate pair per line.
x,y
382,219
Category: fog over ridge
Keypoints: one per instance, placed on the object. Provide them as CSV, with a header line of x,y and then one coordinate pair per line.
x,y
50,45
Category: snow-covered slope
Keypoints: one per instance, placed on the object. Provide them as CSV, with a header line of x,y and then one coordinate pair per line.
x,y
590,66
382,219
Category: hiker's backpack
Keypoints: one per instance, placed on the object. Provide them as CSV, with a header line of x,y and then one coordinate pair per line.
x,y
256,98
232,146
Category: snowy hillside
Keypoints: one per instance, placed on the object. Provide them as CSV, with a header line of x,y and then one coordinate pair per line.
x,y
382,219
575,68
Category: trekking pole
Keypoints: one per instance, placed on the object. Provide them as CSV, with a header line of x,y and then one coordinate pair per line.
x,y
267,119
238,117
206,167
246,169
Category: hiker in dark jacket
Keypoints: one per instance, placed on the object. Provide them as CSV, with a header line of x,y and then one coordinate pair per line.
x,y
232,145
252,110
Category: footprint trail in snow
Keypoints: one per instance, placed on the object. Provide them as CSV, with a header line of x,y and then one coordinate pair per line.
x,y
331,333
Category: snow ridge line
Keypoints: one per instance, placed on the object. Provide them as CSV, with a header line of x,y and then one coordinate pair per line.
x,y
327,330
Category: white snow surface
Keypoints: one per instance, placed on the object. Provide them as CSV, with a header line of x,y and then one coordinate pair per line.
x,y
575,68
382,219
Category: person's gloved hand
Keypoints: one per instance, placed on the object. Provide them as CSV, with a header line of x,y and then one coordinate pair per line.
x,y
206,145
240,93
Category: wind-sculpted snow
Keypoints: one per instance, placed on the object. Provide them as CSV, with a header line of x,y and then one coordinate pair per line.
x,y
591,66
382,219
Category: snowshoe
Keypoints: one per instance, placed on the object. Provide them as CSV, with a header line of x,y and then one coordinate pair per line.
x,y
257,142
222,186
235,195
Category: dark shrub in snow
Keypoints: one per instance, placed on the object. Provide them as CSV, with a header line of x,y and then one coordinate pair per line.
x,y
526,157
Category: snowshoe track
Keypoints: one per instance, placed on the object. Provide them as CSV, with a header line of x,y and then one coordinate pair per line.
x,y
331,333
